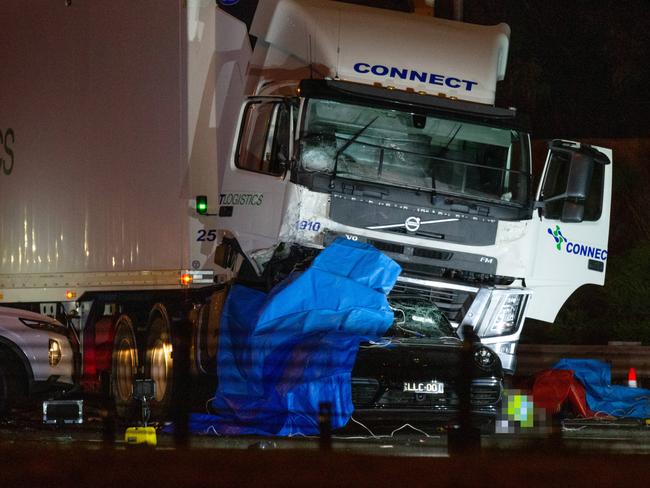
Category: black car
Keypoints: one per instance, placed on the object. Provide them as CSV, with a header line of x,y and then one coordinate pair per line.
x,y
417,372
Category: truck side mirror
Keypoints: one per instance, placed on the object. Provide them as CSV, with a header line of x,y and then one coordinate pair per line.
x,y
569,182
573,211
581,169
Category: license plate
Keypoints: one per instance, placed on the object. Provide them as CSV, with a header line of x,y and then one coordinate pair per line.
x,y
426,387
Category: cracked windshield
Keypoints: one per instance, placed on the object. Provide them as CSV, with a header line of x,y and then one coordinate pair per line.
x,y
416,150
419,318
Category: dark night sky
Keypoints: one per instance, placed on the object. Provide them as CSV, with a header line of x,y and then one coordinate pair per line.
x,y
579,68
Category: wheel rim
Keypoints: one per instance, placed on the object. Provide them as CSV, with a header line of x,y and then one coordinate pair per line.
x,y
161,363
125,369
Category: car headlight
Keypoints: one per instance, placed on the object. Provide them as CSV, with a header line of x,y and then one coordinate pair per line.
x,y
484,358
43,325
506,319
54,352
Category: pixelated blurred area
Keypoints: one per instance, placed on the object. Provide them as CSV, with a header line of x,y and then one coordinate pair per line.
x,y
519,414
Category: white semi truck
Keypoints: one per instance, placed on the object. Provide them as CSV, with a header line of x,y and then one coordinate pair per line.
x,y
155,150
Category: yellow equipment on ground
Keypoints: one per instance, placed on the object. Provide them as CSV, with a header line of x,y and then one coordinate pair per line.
x,y
140,435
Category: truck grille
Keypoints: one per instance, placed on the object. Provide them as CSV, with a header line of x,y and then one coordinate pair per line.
x,y
432,254
453,303
418,252
388,247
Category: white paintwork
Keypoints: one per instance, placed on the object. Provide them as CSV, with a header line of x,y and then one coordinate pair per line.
x,y
115,116
335,36
303,38
511,248
34,344
554,275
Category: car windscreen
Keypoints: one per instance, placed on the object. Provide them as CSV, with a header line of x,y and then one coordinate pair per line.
x,y
418,318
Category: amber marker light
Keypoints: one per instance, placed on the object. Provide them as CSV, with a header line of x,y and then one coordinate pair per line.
x,y
70,294
186,279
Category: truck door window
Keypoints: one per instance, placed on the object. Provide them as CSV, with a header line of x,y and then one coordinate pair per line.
x,y
555,184
264,138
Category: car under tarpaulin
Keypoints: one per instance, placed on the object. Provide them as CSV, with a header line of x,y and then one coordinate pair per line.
x,y
283,354
602,397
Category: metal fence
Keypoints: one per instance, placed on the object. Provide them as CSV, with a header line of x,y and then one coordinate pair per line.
x,y
532,358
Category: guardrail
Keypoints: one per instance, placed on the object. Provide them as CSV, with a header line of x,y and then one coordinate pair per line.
x,y
532,358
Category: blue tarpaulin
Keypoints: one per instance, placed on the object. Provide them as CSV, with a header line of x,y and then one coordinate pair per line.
x,y
602,396
284,353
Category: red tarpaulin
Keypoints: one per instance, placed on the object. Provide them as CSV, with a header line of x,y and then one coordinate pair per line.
x,y
553,387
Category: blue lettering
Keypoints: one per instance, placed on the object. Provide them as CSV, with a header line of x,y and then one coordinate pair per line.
x,y
400,73
436,79
414,75
420,76
587,251
469,84
358,66
449,81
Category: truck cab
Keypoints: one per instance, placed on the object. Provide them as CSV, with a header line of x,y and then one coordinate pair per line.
x,y
402,148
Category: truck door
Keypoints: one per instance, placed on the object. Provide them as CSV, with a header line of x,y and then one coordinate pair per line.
x,y
252,195
571,229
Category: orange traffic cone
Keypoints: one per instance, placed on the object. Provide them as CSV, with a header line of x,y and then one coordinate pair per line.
x,y
631,378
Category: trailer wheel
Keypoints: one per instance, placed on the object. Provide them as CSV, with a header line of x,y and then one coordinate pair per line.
x,y
159,365
124,367
206,336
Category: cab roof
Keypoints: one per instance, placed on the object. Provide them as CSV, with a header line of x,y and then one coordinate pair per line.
x,y
402,50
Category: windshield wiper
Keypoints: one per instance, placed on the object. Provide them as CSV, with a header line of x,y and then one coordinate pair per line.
x,y
347,144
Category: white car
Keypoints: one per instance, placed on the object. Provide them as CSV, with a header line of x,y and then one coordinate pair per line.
x,y
35,355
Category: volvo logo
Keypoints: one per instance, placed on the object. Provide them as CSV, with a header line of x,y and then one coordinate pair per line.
x,y
412,224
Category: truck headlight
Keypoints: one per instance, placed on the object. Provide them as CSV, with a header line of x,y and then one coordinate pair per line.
x,y
506,319
54,353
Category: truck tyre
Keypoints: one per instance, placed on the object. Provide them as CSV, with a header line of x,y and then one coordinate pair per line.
x,y
124,367
159,363
206,336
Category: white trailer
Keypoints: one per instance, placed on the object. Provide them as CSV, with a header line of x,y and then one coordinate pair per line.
x,y
118,118
109,127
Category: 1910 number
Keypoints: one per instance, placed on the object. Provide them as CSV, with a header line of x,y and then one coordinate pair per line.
x,y
309,225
